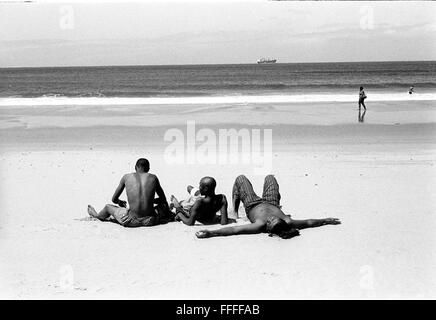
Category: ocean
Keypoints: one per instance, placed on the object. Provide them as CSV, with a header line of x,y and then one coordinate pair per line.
x,y
232,83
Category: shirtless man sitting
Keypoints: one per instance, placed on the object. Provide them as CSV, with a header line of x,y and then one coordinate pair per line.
x,y
205,208
141,187
264,213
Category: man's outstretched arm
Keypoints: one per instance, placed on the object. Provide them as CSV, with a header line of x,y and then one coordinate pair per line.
x,y
117,193
314,223
251,228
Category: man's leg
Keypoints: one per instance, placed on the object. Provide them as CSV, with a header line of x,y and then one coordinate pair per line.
x,y
105,213
271,192
243,191
174,202
313,223
163,213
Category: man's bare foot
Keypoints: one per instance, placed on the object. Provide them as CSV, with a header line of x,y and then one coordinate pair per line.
x,y
175,202
92,212
332,221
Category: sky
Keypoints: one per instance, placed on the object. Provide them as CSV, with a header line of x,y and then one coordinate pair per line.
x,y
77,33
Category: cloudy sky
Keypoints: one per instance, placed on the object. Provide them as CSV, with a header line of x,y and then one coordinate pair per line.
x,y
183,32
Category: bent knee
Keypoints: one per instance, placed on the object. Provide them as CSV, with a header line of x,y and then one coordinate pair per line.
x,y
240,178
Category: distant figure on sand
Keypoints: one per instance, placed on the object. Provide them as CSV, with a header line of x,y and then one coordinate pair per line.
x,y
362,97
411,90
264,213
186,204
141,187
205,208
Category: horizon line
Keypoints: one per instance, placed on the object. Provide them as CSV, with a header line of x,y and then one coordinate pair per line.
x,y
206,64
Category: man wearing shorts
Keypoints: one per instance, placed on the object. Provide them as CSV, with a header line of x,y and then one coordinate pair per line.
x,y
141,187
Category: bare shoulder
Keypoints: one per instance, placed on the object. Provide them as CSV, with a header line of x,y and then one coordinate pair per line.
x,y
127,176
200,201
222,198
259,225
152,177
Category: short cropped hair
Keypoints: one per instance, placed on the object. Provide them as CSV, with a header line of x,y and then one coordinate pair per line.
x,y
277,226
143,164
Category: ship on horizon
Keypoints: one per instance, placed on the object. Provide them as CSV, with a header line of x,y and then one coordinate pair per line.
x,y
266,60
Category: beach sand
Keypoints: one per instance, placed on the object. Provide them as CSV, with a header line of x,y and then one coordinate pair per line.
x,y
378,177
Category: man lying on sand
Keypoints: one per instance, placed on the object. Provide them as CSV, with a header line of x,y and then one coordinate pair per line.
x,y
141,187
265,213
205,208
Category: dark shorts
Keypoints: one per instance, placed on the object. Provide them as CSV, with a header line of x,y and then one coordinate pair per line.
x,y
125,218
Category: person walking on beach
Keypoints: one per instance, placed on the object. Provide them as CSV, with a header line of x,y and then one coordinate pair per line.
x,y
265,214
362,97
141,187
205,208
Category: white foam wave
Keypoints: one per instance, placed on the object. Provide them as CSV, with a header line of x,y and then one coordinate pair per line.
x,y
303,98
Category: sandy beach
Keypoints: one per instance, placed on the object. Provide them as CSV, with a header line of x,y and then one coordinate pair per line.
x,y
378,177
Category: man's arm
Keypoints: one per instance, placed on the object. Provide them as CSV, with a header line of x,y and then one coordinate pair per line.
x,y
235,200
160,193
223,211
193,214
236,203
117,193
251,228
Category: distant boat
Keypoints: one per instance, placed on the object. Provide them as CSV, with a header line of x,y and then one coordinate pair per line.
x,y
266,60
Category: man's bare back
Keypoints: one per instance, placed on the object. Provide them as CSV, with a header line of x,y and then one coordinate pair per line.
x,y
140,190
141,187
208,207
